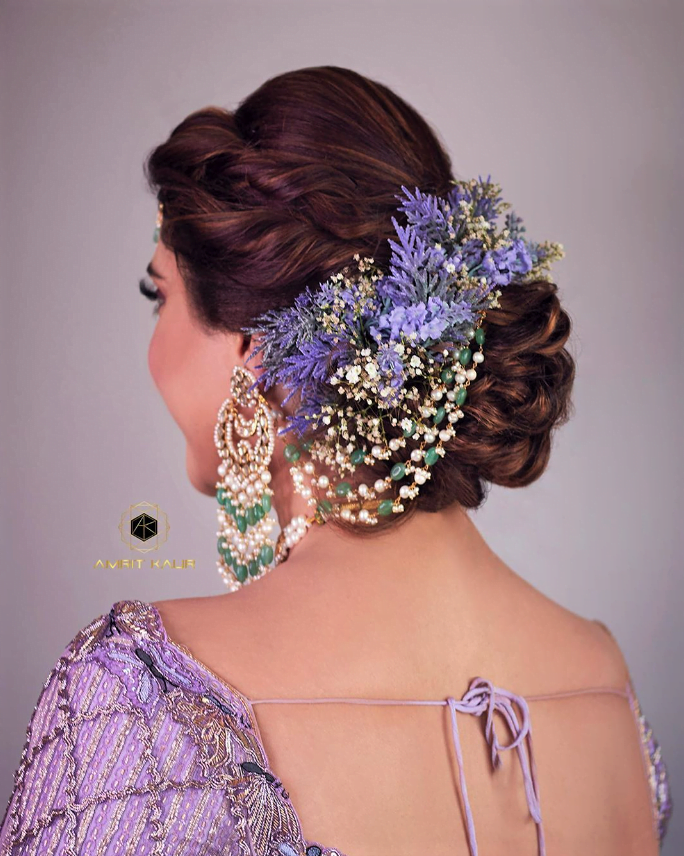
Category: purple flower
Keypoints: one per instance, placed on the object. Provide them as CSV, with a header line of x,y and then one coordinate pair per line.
x,y
447,260
425,320
392,374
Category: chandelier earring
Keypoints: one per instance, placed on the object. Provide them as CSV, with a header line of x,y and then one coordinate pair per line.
x,y
246,549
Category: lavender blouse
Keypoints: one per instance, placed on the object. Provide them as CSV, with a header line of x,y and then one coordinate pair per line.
x,y
135,747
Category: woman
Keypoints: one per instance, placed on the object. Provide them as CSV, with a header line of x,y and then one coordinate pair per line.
x,y
365,371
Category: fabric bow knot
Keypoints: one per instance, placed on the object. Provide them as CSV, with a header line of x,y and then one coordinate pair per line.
x,y
482,696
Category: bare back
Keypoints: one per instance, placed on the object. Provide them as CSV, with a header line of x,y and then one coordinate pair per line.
x,y
378,778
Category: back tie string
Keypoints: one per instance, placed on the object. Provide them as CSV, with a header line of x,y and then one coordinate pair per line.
x,y
483,696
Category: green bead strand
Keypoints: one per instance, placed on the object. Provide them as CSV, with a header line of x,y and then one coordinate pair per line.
x,y
385,507
480,336
292,453
431,457
398,471
358,456
461,395
465,356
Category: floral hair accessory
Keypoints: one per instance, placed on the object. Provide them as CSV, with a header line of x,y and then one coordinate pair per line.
x,y
381,362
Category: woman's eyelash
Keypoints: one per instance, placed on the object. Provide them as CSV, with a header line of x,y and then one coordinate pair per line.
x,y
151,293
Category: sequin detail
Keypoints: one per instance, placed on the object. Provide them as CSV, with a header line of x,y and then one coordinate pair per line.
x,y
658,777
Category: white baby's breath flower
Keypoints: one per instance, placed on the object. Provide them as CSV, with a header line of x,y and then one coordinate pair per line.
x,y
399,348
415,361
353,374
371,370
451,267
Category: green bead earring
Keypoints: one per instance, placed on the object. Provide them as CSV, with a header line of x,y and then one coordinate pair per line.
x,y
243,493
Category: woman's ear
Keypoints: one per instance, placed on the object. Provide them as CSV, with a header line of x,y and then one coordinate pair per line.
x,y
246,345
250,360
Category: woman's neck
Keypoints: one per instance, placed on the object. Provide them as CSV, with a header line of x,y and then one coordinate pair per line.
x,y
427,561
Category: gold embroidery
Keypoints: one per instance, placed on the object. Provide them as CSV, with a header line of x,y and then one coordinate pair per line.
x,y
270,818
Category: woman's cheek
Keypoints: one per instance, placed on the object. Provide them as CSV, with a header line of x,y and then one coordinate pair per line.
x,y
154,361
165,363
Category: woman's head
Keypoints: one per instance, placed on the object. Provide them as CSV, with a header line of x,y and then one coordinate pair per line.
x,y
281,193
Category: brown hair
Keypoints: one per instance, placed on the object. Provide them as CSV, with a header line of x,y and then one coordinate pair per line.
x,y
261,201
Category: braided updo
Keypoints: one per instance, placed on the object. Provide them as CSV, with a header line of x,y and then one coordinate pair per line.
x,y
280,193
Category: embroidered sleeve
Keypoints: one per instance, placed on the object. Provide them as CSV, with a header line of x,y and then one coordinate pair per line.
x,y
105,765
658,776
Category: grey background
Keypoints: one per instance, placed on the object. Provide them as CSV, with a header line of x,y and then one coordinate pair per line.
x,y
574,108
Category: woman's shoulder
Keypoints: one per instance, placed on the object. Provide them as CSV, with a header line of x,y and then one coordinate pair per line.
x,y
570,650
654,761
122,661
129,647
608,666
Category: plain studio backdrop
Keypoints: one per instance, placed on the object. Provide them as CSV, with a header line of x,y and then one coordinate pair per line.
x,y
574,108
